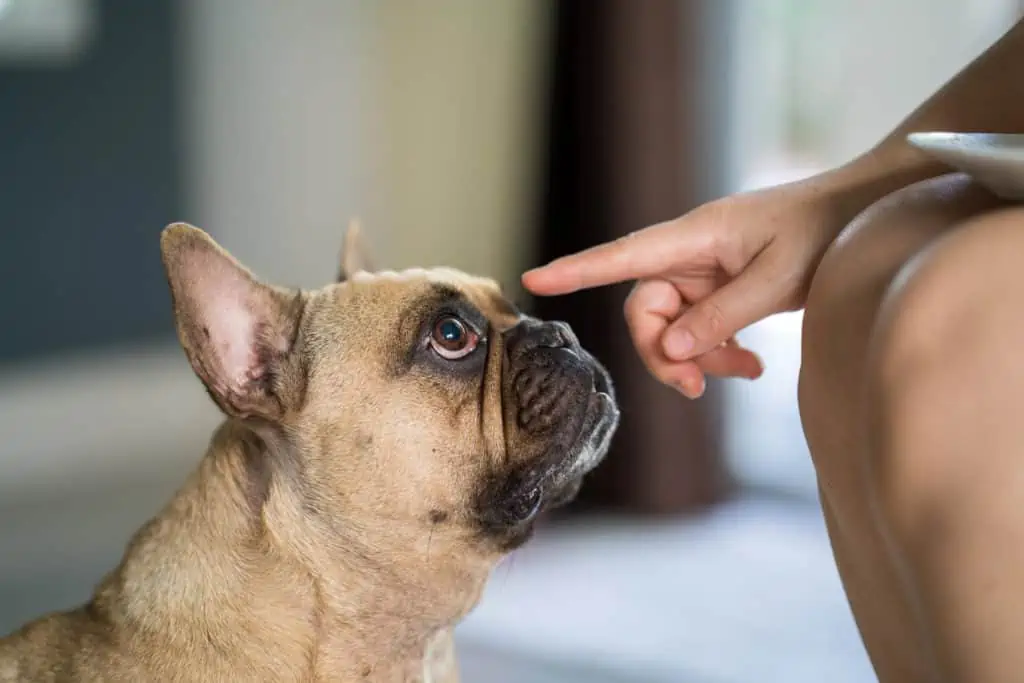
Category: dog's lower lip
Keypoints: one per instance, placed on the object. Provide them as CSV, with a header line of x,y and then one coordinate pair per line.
x,y
522,509
531,504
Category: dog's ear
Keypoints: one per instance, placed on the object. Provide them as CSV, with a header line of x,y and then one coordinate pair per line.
x,y
355,256
237,332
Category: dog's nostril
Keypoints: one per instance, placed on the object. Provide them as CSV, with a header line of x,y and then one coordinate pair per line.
x,y
529,335
556,336
568,337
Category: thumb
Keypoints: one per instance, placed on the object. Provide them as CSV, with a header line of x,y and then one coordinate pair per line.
x,y
712,321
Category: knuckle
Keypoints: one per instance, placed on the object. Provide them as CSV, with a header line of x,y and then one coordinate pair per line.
x,y
730,248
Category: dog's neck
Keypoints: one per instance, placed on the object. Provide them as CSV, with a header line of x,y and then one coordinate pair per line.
x,y
249,577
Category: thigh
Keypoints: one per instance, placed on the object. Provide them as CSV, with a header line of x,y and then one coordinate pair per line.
x,y
854,279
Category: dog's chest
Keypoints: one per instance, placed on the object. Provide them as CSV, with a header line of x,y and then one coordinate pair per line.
x,y
339,668
434,663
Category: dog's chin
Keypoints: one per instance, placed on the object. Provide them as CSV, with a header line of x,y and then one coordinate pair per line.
x,y
564,476
515,503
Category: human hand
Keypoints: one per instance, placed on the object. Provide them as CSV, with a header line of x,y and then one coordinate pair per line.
x,y
708,274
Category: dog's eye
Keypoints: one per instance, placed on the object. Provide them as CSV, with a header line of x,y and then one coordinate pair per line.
x,y
452,338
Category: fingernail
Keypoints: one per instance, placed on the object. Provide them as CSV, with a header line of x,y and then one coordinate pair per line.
x,y
679,343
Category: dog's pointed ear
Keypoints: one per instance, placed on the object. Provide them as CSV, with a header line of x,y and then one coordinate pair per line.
x,y
237,332
355,255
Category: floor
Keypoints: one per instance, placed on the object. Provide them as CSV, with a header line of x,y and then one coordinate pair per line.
x,y
489,664
746,594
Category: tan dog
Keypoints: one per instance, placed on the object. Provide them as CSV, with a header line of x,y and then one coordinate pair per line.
x,y
388,439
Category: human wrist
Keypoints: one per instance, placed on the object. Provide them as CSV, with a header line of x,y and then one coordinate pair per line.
x,y
890,166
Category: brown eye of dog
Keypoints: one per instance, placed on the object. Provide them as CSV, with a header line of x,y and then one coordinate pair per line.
x,y
452,338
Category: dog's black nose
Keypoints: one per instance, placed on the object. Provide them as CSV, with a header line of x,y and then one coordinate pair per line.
x,y
530,334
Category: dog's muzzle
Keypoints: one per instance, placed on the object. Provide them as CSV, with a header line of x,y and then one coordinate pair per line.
x,y
551,374
563,405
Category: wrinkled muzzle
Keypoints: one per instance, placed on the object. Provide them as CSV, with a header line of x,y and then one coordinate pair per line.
x,y
560,414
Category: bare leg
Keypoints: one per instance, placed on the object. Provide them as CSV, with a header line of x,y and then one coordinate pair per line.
x,y
909,390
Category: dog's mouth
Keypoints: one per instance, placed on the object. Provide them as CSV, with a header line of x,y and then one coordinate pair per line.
x,y
555,479
563,404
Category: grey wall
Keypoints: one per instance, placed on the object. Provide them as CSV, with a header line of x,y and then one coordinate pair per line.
x,y
89,173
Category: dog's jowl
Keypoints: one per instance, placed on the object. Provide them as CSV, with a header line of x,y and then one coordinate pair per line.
x,y
387,439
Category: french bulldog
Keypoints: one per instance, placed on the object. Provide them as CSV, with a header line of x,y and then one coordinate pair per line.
x,y
387,440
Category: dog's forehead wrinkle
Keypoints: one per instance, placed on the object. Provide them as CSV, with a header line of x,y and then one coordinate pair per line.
x,y
421,289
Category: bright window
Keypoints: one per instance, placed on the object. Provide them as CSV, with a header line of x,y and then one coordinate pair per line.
x,y
814,83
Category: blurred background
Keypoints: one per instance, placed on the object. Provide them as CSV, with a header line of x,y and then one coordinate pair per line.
x,y
489,136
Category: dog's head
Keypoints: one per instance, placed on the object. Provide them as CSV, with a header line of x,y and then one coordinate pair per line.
x,y
419,402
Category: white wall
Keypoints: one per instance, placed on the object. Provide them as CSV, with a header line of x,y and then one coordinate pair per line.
x,y
417,115
276,91
459,88
862,66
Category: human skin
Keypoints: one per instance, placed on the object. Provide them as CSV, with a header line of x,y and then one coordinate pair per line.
x,y
910,376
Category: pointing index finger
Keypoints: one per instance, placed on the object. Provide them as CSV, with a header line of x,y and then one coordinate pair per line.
x,y
636,255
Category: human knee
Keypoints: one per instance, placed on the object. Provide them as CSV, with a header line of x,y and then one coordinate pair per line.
x,y
945,331
857,270
950,302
